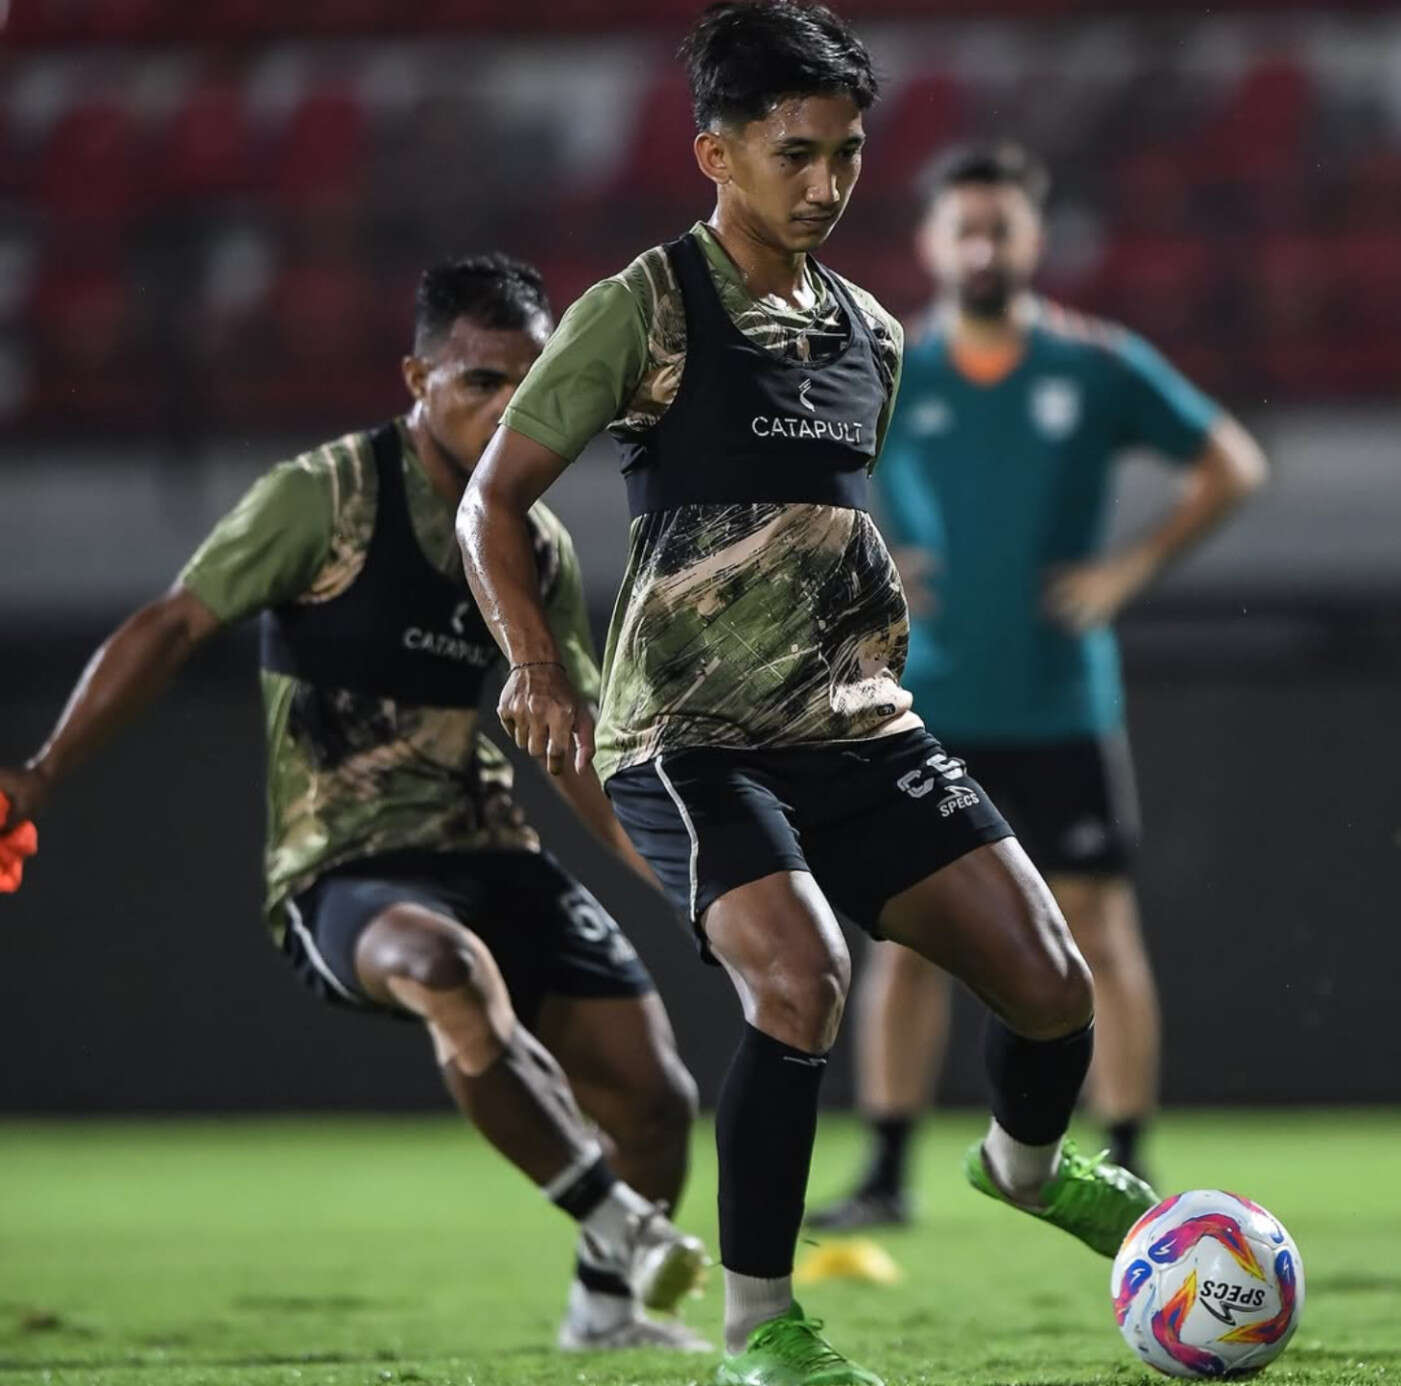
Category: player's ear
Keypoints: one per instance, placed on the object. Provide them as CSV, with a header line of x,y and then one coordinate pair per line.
x,y
713,157
415,373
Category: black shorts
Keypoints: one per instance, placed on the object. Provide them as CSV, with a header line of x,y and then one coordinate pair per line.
x,y
546,932
1073,803
868,819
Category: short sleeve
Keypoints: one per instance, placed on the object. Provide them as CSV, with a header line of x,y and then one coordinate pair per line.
x,y
589,369
1163,410
268,548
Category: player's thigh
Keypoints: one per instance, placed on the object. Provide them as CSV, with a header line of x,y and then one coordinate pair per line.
x,y
779,940
880,816
619,1054
350,931
917,852
413,942
709,822
990,920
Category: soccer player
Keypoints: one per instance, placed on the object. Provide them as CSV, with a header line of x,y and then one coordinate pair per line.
x,y
994,486
753,734
401,876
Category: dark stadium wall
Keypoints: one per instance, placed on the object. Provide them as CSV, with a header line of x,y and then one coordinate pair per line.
x,y
136,974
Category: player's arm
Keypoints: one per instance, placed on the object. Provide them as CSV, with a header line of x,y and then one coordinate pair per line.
x,y
130,671
566,609
538,707
261,552
1223,465
589,368
581,790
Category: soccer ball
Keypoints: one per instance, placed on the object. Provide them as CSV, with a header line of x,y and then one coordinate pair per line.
x,y
1207,1284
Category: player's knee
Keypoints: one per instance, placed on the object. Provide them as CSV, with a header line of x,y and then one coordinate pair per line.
x,y
407,948
1056,999
802,1002
444,975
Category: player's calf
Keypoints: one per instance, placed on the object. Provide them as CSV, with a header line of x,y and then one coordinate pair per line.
x,y
515,1092
649,1132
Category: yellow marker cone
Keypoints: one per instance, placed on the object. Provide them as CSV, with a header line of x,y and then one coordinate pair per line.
x,y
847,1258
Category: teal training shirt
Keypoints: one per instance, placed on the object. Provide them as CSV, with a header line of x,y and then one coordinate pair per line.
x,y
1001,482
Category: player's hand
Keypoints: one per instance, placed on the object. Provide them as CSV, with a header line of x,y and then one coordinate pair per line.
x,y
545,716
24,790
1081,596
917,568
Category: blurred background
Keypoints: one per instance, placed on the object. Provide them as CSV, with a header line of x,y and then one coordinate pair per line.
x,y
211,221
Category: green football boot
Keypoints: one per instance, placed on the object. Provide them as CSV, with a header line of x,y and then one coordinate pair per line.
x,y
1090,1199
791,1351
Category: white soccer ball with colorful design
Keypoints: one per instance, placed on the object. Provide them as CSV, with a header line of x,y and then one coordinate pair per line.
x,y
1207,1284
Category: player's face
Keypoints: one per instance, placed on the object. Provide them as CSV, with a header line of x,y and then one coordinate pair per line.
x,y
464,385
982,243
788,177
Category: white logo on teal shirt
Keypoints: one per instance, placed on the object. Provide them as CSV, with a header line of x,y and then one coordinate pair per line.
x,y
930,416
1055,406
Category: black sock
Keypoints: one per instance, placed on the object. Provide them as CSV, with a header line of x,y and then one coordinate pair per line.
x,y
1124,1137
1035,1082
890,1141
765,1123
582,1192
601,1280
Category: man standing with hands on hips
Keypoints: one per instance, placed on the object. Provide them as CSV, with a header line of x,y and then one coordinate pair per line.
x,y
994,488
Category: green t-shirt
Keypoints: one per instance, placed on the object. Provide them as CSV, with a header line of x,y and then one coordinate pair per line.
x,y
737,625
1002,483
397,776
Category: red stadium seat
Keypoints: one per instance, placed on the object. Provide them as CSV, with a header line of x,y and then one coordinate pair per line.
x,y
925,114
91,171
1372,194
1292,281
323,357
124,18
91,357
1151,192
207,149
1165,287
1259,133
656,165
321,308
1368,273
318,161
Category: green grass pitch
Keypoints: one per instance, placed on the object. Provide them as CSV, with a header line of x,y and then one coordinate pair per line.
x,y
356,1252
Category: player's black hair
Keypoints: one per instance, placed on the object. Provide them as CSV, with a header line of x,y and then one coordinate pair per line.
x,y
494,290
1004,164
743,57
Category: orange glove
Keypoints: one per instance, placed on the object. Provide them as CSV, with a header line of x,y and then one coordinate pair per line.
x,y
15,845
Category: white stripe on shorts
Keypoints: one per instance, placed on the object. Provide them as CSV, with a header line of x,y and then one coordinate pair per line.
x,y
690,830
314,953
